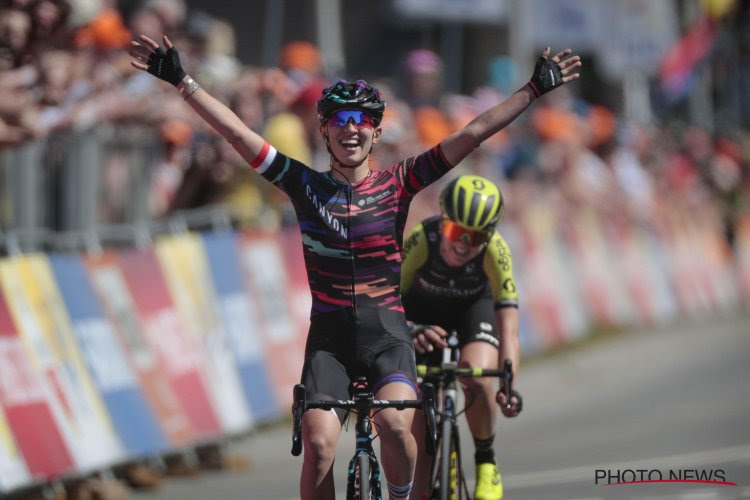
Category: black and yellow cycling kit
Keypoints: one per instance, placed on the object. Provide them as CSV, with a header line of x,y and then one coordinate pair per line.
x,y
461,298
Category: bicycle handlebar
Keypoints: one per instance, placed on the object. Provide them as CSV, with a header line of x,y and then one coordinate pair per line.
x,y
506,374
349,404
362,401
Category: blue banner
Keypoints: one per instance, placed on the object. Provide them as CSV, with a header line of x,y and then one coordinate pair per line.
x,y
241,319
133,419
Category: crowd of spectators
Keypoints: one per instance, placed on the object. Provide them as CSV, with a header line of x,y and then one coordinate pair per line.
x,y
64,66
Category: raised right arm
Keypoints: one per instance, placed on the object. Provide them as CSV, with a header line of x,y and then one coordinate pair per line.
x,y
165,64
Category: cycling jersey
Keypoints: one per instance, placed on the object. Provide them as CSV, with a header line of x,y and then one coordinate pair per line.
x,y
352,234
456,298
426,277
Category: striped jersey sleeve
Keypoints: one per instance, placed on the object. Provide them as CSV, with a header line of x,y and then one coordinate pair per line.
x,y
418,172
282,171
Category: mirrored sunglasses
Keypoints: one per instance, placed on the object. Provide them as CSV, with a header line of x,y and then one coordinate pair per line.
x,y
472,237
359,118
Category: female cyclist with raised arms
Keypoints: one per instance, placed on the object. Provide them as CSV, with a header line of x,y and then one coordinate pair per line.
x,y
352,221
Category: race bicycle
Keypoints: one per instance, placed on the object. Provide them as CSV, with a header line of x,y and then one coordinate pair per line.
x,y
363,474
447,479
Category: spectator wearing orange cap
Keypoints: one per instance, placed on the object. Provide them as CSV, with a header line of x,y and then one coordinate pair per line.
x,y
301,61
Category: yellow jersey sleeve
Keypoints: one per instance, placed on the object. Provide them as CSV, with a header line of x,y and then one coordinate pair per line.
x,y
415,255
498,266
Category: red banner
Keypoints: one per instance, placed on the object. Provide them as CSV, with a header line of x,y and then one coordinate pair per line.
x,y
112,290
24,401
265,268
168,339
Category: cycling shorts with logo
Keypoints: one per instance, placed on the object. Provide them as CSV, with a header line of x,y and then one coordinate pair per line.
x,y
375,343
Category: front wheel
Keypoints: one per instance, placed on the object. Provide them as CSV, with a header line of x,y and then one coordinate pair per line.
x,y
363,462
450,470
360,479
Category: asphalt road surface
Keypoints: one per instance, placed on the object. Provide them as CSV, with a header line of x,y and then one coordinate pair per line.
x,y
673,402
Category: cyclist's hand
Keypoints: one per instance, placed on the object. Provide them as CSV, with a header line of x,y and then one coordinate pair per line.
x,y
428,337
509,410
550,73
163,64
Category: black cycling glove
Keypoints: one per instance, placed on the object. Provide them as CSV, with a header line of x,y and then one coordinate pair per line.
x,y
166,65
547,76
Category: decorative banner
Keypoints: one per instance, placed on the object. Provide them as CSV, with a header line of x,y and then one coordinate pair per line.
x,y
263,264
27,426
555,308
598,270
183,261
112,290
167,335
26,404
45,328
13,471
240,319
134,421
298,292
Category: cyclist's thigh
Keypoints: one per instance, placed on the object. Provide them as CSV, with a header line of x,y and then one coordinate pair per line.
x,y
389,356
478,354
478,324
325,377
321,427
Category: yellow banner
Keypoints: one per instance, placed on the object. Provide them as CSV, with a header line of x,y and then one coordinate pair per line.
x,y
185,264
46,330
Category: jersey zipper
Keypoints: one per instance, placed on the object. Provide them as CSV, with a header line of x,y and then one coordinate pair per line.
x,y
349,197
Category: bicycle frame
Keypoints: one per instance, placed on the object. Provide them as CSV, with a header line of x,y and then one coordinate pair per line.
x,y
363,473
446,380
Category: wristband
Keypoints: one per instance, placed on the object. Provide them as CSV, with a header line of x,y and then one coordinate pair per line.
x,y
187,87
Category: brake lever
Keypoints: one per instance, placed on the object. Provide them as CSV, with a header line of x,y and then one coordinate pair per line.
x,y
298,408
428,403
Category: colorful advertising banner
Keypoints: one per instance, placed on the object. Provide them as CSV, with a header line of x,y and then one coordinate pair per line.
x,y
264,267
38,310
25,402
298,289
167,335
113,293
13,471
133,419
183,261
240,318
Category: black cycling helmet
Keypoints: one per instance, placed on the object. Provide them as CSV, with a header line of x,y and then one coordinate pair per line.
x,y
351,95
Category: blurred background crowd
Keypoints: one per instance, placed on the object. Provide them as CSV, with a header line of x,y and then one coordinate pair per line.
x,y
89,142
627,192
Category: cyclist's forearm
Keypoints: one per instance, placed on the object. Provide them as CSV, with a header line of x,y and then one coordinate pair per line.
x,y
457,146
222,119
510,346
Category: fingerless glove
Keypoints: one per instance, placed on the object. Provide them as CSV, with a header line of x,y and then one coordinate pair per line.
x,y
546,76
166,65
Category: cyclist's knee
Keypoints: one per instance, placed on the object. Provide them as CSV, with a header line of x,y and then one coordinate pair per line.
x,y
320,431
395,425
320,448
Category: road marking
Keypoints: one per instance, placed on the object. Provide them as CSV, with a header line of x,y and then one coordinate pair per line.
x,y
576,474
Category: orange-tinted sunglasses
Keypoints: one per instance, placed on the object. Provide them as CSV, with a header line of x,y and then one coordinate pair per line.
x,y
472,237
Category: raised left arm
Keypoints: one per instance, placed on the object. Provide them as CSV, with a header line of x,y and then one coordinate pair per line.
x,y
549,73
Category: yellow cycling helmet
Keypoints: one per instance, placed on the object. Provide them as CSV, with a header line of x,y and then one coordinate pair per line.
x,y
472,202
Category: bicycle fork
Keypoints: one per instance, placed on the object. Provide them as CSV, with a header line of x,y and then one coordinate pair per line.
x,y
363,474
